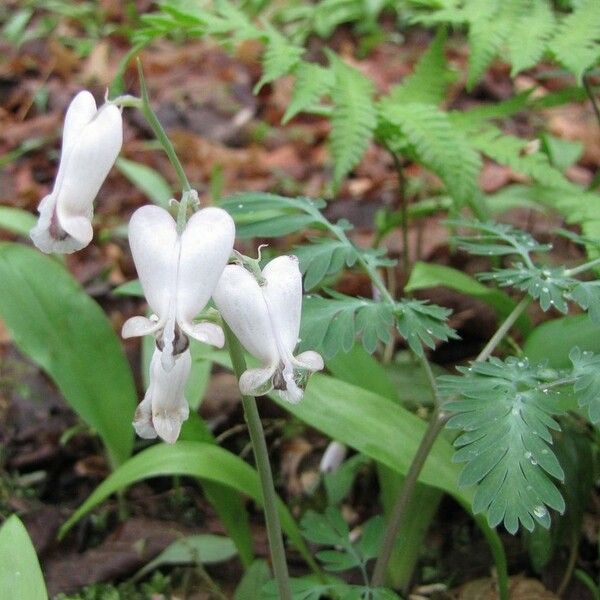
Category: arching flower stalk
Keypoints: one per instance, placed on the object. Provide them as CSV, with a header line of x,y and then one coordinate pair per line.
x,y
92,139
265,317
178,273
164,407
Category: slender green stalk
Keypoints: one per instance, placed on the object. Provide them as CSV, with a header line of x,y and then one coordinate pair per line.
x,y
503,329
403,212
581,268
434,427
261,457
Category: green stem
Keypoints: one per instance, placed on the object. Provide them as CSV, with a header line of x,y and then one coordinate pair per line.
x,y
261,457
403,212
590,92
581,268
399,512
503,329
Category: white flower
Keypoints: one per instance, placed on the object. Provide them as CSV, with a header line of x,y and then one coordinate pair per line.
x,y
333,457
92,139
266,320
178,274
164,407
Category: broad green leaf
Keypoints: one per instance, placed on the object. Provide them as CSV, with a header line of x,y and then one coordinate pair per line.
x,y
54,322
359,368
149,181
20,573
426,275
16,220
205,549
195,459
376,427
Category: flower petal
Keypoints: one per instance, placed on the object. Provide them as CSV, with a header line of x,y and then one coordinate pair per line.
x,y
138,326
309,360
208,333
256,382
206,245
142,421
283,293
81,111
84,168
166,393
155,249
241,303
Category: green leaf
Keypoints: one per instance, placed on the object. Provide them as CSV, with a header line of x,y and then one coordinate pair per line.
x,y
529,34
339,482
131,288
312,83
421,323
575,42
258,214
205,549
54,322
359,368
506,410
279,58
16,220
149,181
354,117
429,80
371,537
388,433
328,528
332,324
553,340
586,369
253,580
426,275
322,258
425,132
20,573
195,459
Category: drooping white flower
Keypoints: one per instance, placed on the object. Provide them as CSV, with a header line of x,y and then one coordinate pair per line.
x,y
266,320
164,407
92,139
178,274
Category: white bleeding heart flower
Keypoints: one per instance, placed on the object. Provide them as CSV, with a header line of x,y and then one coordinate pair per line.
x,y
164,407
178,273
92,139
333,457
266,320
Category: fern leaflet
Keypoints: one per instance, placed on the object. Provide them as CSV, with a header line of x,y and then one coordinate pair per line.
x,y
353,120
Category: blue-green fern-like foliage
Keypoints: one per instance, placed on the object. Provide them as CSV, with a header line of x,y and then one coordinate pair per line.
x,y
508,413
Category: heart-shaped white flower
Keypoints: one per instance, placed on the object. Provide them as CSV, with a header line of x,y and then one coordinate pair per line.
x,y
92,139
266,320
178,274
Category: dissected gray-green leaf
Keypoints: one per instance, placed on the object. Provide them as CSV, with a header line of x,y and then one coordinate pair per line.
x,y
586,372
506,411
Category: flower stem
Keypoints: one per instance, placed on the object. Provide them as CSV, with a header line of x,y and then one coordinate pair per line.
x,y
503,329
581,268
261,456
399,512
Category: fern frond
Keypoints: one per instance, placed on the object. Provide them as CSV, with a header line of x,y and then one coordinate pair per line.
x,y
430,135
512,151
312,83
529,34
354,117
430,78
279,58
576,41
